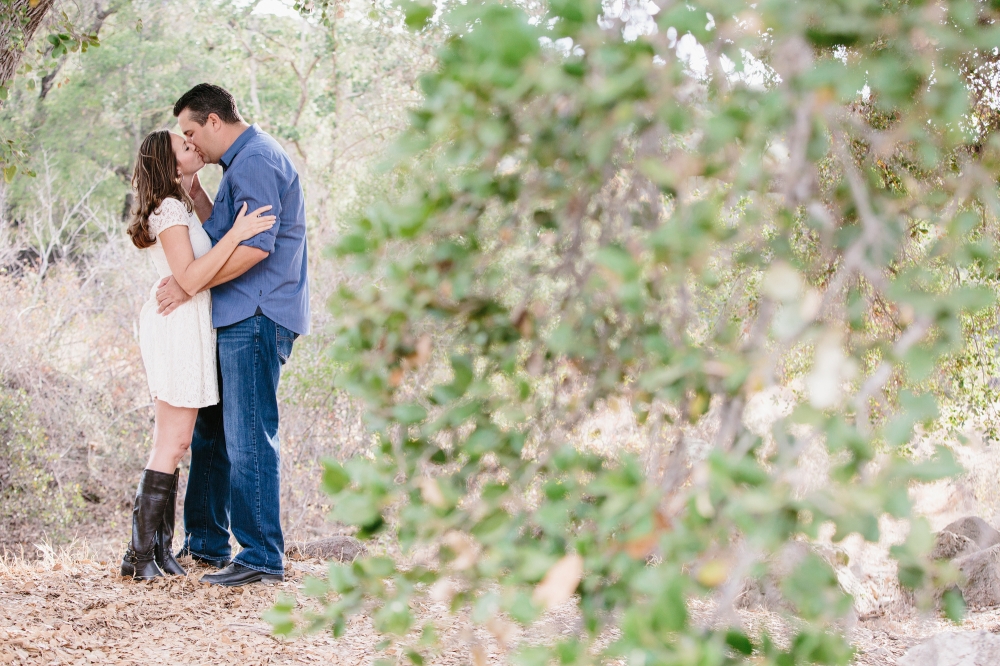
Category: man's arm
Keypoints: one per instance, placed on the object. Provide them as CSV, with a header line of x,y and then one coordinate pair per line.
x,y
250,181
169,294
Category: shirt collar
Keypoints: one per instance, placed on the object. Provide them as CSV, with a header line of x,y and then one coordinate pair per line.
x,y
241,140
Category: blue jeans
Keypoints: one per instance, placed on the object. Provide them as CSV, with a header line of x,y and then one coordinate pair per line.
x,y
234,481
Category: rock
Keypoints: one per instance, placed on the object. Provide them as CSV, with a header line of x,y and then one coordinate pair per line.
x,y
836,556
865,603
981,570
761,593
873,595
948,545
765,591
340,548
967,648
976,529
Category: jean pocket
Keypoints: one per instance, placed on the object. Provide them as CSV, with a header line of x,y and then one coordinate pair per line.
x,y
284,341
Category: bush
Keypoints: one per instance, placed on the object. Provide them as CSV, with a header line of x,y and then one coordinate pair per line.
x,y
592,221
29,494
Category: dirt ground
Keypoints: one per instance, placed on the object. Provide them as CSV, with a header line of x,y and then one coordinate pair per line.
x,y
82,612
68,609
65,610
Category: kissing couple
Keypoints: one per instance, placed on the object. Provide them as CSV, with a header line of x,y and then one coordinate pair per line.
x,y
216,331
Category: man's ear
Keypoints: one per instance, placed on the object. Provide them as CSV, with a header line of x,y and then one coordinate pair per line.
x,y
215,121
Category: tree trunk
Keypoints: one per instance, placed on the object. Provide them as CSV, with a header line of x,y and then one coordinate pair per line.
x,y
18,23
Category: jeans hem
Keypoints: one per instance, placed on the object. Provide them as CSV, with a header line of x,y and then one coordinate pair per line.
x,y
213,560
267,570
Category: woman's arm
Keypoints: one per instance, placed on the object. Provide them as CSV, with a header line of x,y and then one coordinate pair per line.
x,y
191,274
199,197
170,296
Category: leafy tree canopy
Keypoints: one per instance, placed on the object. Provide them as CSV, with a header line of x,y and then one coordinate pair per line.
x,y
582,222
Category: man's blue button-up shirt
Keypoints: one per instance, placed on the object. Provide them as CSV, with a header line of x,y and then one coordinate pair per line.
x,y
258,171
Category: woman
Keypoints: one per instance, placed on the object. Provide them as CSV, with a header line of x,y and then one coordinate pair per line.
x,y
178,350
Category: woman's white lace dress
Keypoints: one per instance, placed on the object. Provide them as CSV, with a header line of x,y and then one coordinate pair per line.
x,y
178,350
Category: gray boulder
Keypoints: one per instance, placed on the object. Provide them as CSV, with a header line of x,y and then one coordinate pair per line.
x,y
981,571
765,591
948,546
967,648
978,530
761,593
340,548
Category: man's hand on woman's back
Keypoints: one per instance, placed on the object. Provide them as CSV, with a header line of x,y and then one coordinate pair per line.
x,y
169,295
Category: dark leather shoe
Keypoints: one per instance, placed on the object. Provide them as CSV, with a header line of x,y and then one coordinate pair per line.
x,y
236,574
218,564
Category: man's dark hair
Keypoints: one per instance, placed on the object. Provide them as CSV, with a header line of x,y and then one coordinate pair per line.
x,y
206,98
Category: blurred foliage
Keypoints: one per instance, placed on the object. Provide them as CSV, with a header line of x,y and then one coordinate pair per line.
x,y
28,492
585,221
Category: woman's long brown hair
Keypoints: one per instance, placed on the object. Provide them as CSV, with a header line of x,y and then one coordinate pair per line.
x,y
154,179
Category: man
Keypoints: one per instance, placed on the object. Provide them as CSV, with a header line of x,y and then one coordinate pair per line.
x,y
260,305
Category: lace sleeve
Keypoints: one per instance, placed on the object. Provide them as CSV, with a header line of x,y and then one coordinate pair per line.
x,y
170,213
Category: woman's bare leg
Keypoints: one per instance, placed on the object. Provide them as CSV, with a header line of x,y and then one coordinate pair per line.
x,y
172,433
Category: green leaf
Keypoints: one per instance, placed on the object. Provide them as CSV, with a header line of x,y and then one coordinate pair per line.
x,y
341,578
573,11
281,623
670,609
394,617
315,587
279,615
920,363
739,642
522,609
335,477
379,567
356,509
418,14
619,261
954,605
352,244
409,413
562,340
941,466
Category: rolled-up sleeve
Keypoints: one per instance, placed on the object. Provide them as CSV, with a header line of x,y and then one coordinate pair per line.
x,y
258,183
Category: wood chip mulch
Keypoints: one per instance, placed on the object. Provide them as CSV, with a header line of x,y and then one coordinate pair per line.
x,y
83,612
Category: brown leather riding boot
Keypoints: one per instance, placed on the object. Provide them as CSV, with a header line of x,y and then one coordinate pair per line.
x,y
163,551
147,514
